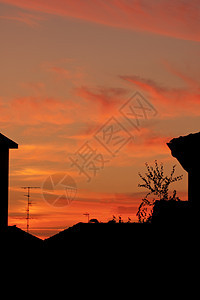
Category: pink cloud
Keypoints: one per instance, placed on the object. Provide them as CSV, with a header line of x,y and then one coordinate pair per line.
x,y
42,114
27,18
65,69
106,98
35,110
170,102
179,19
61,72
191,82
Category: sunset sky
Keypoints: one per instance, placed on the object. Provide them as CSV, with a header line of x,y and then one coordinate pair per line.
x,y
71,68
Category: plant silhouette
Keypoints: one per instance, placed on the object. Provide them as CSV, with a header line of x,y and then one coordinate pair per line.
x,y
157,185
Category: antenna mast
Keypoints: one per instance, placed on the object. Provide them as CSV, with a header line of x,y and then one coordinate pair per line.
x,y
87,215
28,204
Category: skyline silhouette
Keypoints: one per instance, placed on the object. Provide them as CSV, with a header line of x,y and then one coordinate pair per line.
x,y
91,93
168,211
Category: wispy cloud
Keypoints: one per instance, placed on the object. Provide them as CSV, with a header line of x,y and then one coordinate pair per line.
x,y
179,19
189,81
36,110
65,69
106,98
29,19
170,101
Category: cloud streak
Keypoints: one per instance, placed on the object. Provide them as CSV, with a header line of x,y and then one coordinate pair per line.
x,y
178,19
27,18
106,98
36,110
170,102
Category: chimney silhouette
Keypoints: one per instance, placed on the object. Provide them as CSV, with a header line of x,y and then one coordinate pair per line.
x,y
5,145
186,149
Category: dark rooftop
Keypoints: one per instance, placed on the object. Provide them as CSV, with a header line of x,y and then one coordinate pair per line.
x,y
7,143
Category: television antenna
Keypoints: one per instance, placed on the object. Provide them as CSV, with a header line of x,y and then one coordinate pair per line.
x,y
87,215
28,204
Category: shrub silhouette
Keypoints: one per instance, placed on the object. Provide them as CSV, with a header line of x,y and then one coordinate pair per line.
x,y
157,185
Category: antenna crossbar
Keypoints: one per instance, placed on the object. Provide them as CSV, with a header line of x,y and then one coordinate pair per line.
x,y
28,204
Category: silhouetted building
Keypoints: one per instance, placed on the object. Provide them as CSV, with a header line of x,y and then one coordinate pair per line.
x,y
93,221
15,238
186,149
5,145
172,212
87,236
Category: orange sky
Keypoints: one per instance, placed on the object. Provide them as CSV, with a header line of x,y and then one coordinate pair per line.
x,y
67,69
